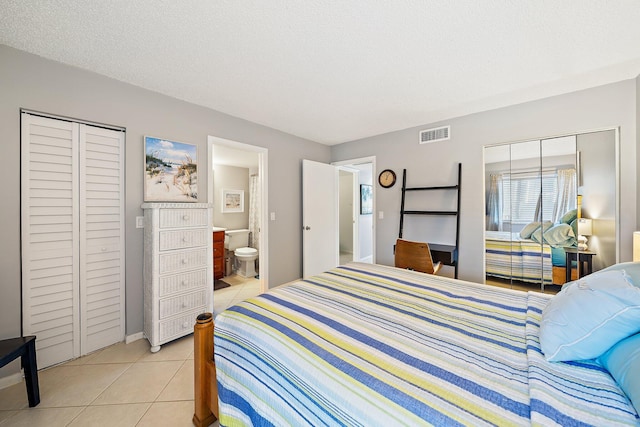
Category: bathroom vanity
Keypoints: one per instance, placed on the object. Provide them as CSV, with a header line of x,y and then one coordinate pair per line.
x,y
218,253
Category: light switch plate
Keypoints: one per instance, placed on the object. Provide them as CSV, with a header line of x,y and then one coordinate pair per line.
x,y
139,222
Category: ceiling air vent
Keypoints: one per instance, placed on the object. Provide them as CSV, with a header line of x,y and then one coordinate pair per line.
x,y
436,134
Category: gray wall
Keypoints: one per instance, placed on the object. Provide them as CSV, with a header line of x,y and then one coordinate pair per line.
x,y
365,223
230,178
435,164
28,81
345,211
637,180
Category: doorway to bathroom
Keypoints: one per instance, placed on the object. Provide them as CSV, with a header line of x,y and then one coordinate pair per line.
x,y
237,190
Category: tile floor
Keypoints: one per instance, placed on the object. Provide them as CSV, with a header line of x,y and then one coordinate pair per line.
x,y
241,288
121,385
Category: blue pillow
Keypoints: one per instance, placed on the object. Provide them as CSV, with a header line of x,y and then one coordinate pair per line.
x,y
623,363
526,231
589,316
560,235
568,217
537,235
631,268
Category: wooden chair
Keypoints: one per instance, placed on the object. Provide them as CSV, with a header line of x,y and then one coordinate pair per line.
x,y
415,256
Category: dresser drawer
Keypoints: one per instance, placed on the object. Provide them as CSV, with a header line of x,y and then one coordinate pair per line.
x,y
180,239
181,303
173,218
182,282
178,261
179,326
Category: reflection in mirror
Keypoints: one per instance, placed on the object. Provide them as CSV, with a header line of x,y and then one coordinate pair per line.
x,y
598,194
561,210
543,198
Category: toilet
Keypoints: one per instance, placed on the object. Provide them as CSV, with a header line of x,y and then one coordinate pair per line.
x,y
237,241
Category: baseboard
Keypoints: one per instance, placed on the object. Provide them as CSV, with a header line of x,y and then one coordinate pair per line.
x,y
368,259
133,337
10,380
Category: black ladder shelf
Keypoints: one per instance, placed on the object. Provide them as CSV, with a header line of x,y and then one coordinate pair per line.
x,y
446,254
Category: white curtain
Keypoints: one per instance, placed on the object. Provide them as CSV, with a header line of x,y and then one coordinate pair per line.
x,y
254,210
566,193
494,205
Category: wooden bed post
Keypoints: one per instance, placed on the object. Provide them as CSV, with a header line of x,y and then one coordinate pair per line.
x,y
205,384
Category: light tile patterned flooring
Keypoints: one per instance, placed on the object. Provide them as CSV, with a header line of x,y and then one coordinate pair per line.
x,y
121,385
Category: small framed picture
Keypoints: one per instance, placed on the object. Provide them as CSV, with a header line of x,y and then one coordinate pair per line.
x,y
232,201
366,199
171,171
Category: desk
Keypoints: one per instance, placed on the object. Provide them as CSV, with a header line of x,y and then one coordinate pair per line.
x,y
583,259
446,254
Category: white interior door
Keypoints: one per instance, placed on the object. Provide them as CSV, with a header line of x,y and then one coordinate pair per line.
x,y
320,249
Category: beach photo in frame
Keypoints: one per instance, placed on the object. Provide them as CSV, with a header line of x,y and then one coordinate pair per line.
x,y
171,171
232,201
366,199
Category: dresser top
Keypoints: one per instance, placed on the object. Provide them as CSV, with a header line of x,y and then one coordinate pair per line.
x,y
173,205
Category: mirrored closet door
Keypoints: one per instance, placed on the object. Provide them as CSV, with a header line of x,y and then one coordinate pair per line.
x,y
549,204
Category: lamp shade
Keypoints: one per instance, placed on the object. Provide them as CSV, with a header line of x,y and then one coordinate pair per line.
x,y
636,246
585,227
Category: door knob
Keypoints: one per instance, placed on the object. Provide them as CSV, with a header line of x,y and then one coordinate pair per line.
x,y
307,228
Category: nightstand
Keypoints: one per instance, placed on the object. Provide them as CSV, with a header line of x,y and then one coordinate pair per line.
x,y
583,259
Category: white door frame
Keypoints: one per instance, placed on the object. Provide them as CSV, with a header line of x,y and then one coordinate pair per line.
x,y
358,161
263,250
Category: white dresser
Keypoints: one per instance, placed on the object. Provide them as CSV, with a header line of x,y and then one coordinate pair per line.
x,y
178,269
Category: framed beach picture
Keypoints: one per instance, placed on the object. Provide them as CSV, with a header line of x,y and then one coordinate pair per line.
x,y
232,201
171,171
366,199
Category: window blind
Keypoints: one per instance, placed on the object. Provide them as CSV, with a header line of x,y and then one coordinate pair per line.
x,y
522,193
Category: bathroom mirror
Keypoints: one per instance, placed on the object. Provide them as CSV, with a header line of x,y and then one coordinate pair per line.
x,y
543,198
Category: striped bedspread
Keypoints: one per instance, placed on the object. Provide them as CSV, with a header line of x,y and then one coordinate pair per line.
x,y
509,256
369,345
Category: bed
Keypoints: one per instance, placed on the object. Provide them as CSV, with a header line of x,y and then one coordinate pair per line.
x,y
371,345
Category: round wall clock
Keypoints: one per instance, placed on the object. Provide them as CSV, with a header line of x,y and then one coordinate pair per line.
x,y
387,178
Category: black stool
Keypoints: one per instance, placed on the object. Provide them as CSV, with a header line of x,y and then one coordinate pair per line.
x,y
25,347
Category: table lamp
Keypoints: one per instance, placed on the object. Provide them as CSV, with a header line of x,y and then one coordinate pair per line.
x,y
585,228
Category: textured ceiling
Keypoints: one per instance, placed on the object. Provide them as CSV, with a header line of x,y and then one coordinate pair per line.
x,y
338,70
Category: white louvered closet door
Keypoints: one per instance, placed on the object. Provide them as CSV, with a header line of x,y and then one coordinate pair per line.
x,y
72,237
101,237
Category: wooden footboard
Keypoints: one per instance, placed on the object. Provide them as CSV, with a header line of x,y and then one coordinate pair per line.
x,y
206,386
